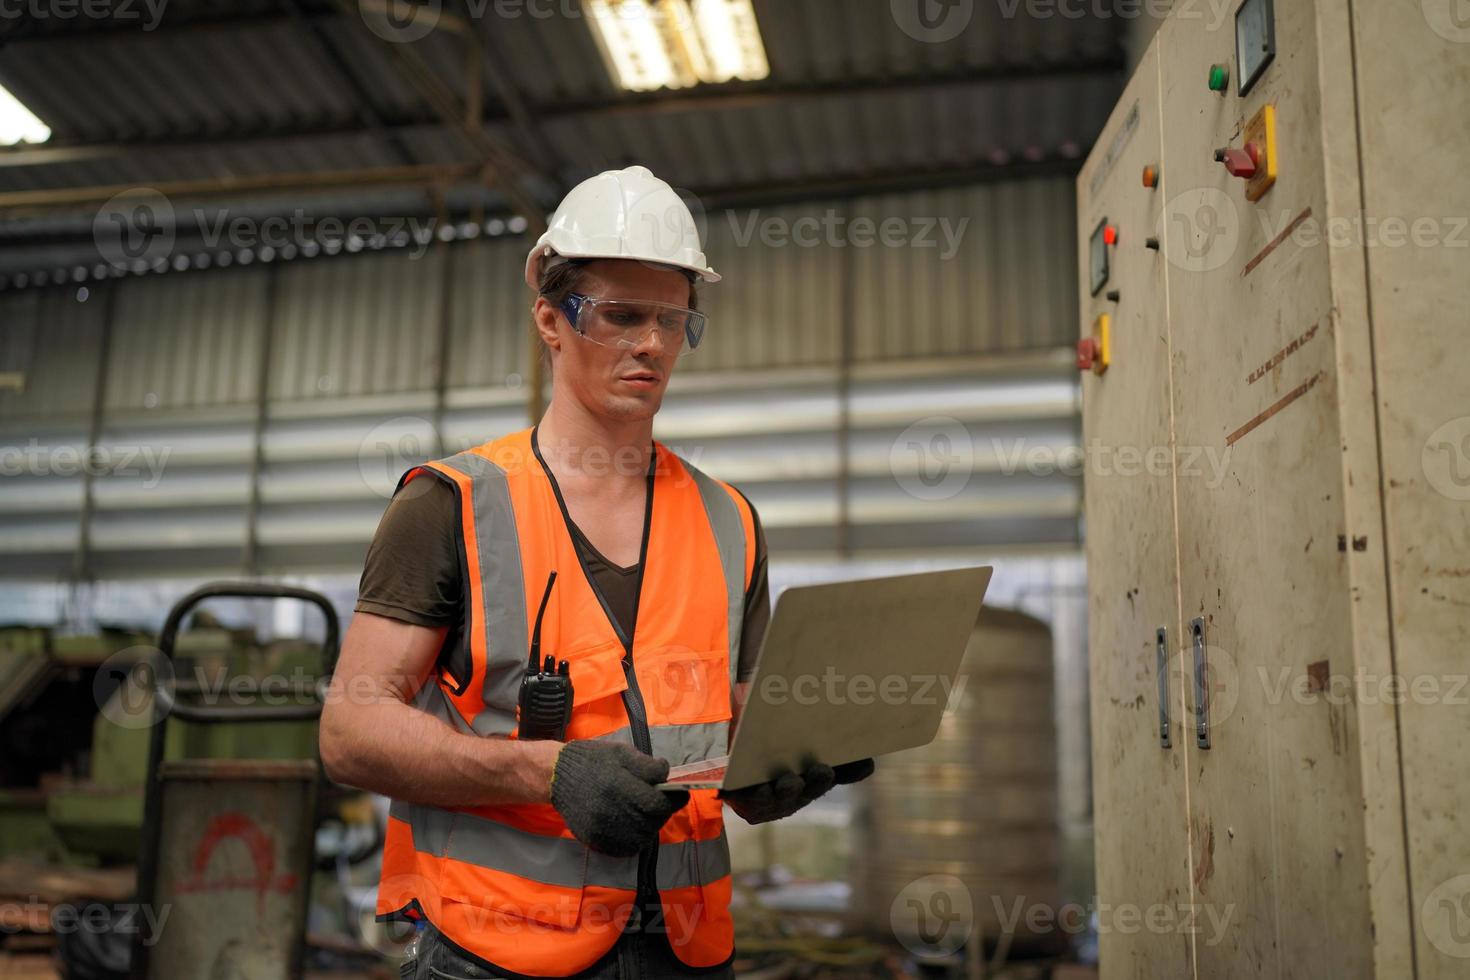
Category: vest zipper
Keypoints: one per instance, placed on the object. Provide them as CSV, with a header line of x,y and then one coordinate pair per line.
x,y
632,696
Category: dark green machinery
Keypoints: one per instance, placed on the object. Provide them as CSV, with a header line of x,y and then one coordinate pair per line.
x,y
76,732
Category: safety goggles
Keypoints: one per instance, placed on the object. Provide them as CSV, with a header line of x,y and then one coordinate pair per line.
x,y
627,323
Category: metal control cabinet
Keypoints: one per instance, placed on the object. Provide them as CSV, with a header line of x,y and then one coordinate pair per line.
x,y
1277,433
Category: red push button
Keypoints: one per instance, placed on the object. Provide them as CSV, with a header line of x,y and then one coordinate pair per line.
x,y
1240,163
1086,353
1110,235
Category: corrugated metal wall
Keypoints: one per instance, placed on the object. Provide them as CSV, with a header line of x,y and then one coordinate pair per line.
x,y
954,303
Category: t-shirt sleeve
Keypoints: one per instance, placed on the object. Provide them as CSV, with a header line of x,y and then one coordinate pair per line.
x,y
412,571
757,605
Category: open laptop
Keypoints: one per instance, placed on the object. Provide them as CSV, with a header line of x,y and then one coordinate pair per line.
x,y
847,671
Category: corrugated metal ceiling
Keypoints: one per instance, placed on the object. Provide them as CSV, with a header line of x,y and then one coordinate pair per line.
x,y
289,86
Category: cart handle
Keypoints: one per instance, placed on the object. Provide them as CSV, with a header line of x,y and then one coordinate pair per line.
x,y
167,704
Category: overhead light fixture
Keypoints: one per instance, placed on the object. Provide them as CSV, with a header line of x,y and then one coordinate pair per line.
x,y
653,44
19,124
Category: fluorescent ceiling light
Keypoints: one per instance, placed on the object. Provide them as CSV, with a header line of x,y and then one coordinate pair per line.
x,y
19,124
652,44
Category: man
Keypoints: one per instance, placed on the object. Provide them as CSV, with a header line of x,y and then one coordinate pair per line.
x,y
584,540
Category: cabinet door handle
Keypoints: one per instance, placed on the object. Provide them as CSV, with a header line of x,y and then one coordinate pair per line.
x,y
1201,684
1162,639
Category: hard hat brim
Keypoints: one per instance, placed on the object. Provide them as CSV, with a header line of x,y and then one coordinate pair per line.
x,y
535,259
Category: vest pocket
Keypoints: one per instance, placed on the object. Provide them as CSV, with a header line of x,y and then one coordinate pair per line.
x,y
598,682
682,686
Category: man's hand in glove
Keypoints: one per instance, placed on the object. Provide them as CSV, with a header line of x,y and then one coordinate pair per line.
x,y
604,791
789,791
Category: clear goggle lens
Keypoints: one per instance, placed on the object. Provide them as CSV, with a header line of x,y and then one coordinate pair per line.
x,y
629,323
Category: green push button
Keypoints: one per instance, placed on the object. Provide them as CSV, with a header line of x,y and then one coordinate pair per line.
x,y
1219,77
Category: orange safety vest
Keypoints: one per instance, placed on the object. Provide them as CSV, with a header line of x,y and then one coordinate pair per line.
x,y
510,883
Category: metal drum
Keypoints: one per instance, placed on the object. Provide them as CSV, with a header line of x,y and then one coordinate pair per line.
x,y
959,838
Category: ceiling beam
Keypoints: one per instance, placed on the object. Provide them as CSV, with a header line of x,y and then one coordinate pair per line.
x,y
464,117
710,98
15,204
769,194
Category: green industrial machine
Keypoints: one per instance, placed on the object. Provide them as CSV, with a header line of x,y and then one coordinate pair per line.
x,y
74,731
79,737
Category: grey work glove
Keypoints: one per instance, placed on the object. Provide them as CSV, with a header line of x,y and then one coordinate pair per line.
x,y
789,792
604,791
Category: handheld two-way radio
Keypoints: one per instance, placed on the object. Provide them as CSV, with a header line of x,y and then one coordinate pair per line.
x,y
546,687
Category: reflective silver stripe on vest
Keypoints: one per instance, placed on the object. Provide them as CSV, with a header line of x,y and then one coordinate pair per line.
x,y
560,861
503,617
724,520
693,862
680,743
431,698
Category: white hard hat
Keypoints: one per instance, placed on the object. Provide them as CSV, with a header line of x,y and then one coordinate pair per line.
x,y
621,214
